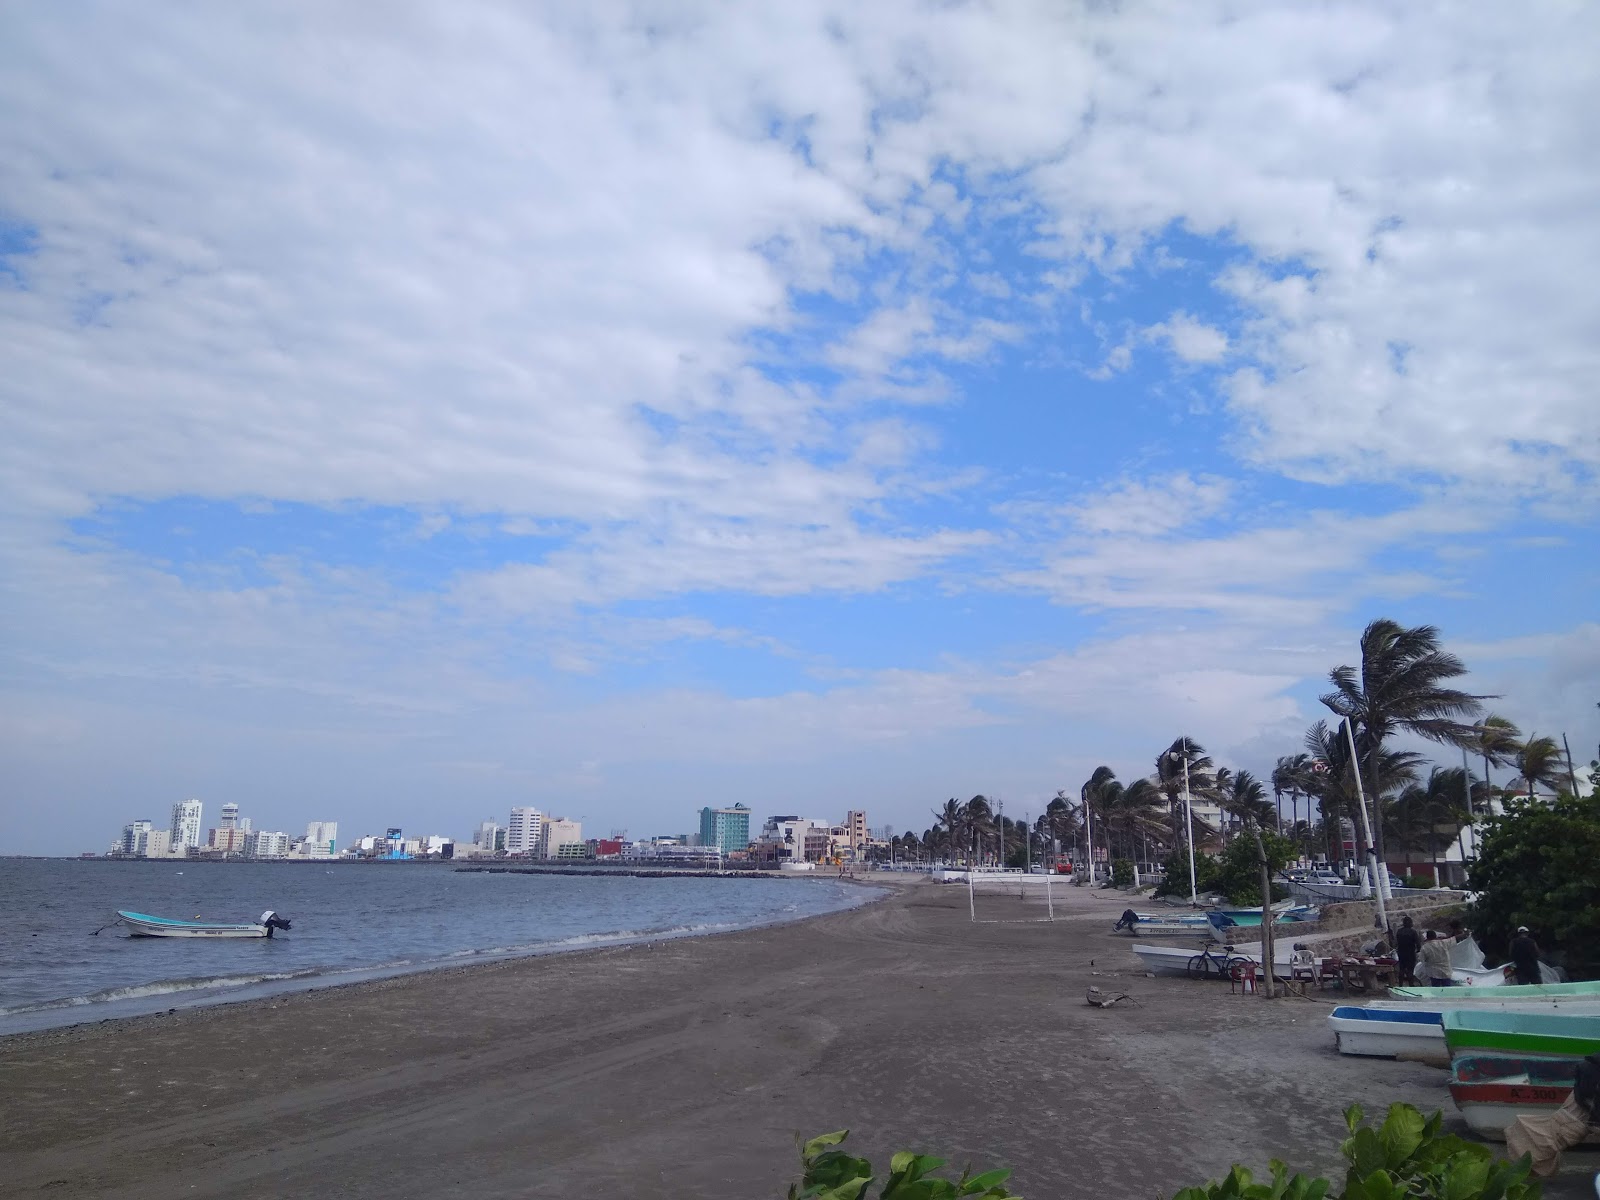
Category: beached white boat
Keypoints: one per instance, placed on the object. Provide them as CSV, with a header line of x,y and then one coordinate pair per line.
x,y
1386,1033
145,925
1492,1090
1488,1108
1187,963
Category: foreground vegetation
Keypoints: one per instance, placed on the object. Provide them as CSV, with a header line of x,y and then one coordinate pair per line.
x,y
1405,1158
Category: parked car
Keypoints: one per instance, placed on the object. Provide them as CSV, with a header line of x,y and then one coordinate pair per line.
x,y
1324,879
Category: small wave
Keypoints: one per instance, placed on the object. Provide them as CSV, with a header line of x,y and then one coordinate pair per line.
x,y
163,988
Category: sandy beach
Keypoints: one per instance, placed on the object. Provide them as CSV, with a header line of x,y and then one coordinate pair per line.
x,y
686,1068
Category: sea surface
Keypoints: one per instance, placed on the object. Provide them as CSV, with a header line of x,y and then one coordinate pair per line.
x,y
350,922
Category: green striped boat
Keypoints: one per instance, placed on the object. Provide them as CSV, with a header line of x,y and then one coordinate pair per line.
x,y
1510,991
1471,1031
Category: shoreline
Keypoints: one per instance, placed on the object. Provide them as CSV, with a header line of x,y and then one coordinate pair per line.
x,y
72,1013
686,1068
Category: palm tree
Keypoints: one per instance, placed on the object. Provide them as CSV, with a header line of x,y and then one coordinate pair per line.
x,y
1059,822
1246,800
950,821
1170,775
1293,775
1400,686
1331,779
1441,801
1539,760
1498,741
980,823
1134,812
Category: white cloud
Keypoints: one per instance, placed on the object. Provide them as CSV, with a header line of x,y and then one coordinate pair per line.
x,y
1191,340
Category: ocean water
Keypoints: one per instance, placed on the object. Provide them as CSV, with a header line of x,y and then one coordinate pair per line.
x,y
350,922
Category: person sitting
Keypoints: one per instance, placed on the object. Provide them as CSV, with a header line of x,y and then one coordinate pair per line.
x,y
1435,961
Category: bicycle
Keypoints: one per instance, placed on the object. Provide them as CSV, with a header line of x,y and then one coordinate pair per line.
x,y
1209,964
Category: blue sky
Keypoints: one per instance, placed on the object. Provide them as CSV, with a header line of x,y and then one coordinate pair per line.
x,y
817,409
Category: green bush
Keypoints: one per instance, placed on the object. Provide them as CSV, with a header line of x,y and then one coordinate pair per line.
x,y
1536,868
1121,873
1176,881
830,1174
1405,1158
1417,881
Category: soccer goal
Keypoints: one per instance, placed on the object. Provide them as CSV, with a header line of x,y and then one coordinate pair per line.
x,y
996,897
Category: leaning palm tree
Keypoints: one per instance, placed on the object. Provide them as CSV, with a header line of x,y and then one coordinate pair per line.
x,y
1170,777
1246,801
1400,687
1498,741
1133,813
1539,760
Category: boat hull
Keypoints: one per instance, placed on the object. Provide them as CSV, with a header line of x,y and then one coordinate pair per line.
x,y
1488,1108
1385,1033
1511,991
1471,1031
144,925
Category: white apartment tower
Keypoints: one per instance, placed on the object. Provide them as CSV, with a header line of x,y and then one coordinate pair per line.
x,y
185,825
524,830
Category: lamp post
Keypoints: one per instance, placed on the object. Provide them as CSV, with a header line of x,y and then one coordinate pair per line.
x,y
1000,822
1188,820
1382,921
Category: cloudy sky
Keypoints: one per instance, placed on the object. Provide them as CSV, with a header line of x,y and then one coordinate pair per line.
x,y
411,412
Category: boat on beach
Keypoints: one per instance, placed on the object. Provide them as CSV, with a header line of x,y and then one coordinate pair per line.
x,y
1493,1090
1589,990
1385,1033
1225,921
1183,961
1469,1031
145,925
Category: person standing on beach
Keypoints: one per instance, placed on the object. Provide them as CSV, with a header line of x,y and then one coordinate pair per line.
x,y
1525,956
1436,961
1406,944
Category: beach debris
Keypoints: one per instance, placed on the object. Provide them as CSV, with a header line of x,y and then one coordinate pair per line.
x,y
1102,999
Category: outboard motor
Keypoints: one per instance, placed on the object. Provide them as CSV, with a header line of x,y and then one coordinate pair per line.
x,y
273,921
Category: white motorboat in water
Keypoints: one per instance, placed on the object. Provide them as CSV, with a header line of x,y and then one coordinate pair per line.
x,y
145,925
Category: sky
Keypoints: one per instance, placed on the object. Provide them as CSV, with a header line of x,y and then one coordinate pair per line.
x,y
411,412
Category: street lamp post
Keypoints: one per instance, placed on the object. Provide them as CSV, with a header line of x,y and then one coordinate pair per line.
x,y
1000,820
1188,822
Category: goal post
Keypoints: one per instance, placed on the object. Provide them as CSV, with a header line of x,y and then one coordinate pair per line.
x,y
1010,897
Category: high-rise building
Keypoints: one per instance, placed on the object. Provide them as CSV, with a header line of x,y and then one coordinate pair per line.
x,y
560,838
323,833
484,838
158,844
186,825
524,831
230,816
726,829
136,838
855,831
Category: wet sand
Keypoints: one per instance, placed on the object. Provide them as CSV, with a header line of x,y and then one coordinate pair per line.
x,y
686,1069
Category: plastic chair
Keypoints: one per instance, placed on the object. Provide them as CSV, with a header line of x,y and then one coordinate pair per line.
x,y
1303,965
1330,971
